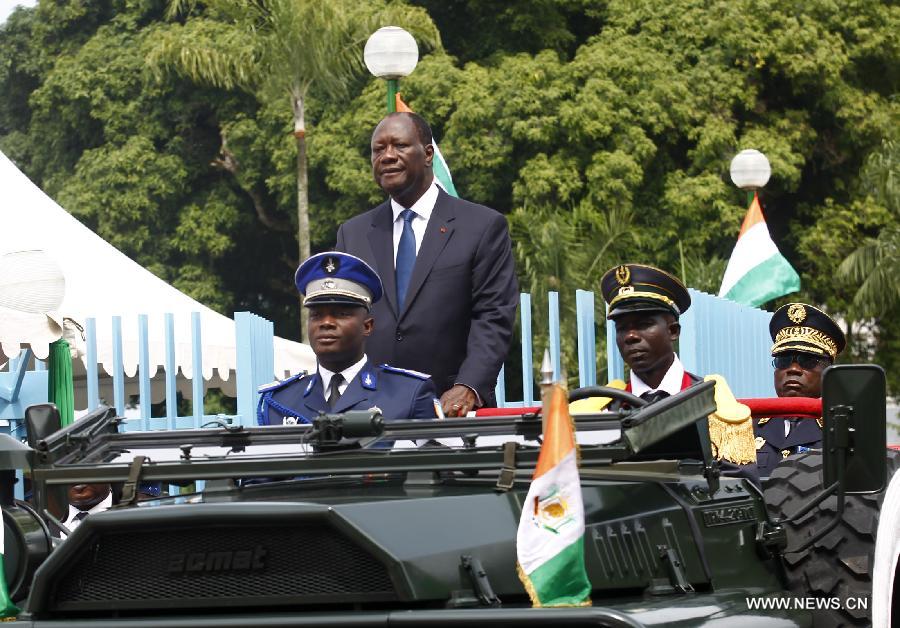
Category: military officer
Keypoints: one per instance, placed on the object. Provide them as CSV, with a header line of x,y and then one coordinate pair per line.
x,y
339,290
806,341
645,304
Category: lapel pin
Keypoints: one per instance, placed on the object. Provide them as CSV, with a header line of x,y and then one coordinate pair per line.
x,y
443,229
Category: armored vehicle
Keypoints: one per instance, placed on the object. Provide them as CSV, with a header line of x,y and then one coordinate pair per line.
x,y
359,521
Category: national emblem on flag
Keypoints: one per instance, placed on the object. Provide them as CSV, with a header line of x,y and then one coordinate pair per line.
x,y
550,539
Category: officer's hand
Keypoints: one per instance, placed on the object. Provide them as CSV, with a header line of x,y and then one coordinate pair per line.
x,y
458,401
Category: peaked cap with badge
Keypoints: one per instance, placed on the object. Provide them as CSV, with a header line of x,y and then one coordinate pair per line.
x,y
642,288
802,327
334,278
795,327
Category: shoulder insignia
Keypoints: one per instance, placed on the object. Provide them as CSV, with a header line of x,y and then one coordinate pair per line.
x,y
272,386
760,441
763,420
821,423
410,372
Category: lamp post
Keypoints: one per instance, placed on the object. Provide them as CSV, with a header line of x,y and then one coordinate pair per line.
x,y
391,53
750,171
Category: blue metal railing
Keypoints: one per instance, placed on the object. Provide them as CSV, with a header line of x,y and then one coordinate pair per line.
x,y
718,336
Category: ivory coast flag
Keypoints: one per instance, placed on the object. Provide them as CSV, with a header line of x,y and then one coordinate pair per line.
x,y
550,541
7,608
439,166
757,272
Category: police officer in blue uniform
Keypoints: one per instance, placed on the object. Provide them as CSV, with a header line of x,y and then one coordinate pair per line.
x,y
339,290
806,341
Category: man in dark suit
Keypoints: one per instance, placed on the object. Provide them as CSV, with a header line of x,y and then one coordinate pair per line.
x,y
806,341
448,272
339,289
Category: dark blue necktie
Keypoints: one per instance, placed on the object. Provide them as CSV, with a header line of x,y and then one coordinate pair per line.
x,y
406,256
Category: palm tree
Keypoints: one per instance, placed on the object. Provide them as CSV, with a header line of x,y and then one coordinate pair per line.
x,y
875,264
280,49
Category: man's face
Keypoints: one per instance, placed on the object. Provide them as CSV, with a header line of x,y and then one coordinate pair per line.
x,y
799,375
646,340
401,163
86,496
337,333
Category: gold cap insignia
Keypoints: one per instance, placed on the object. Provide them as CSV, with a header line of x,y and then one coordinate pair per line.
x,y
330,266
760,441
796,313
623,275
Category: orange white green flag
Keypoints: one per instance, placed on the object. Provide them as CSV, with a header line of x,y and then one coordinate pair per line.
x,y
438,165
757,272
550,540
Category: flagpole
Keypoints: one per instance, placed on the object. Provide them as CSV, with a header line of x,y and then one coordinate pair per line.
x,y
546,385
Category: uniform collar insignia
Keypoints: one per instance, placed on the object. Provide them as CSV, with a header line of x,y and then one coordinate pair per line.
x,y
309,386
368,379
760,441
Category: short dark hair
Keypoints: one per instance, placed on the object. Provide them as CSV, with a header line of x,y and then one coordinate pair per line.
x,y
423,129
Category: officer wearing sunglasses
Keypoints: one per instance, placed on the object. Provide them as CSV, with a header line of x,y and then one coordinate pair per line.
x,y
806,341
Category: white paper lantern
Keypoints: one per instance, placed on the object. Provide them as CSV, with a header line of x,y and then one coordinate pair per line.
x,y
750,169
391,53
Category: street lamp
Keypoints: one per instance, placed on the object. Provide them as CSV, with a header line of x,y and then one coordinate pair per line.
x,y
391,53
750,170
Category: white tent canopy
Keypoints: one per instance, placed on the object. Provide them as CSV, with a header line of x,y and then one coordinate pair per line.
x,y
101,282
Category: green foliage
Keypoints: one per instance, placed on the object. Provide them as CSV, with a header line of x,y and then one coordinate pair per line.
x,y
603,130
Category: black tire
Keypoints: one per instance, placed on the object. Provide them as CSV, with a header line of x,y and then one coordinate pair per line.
x,y
840,564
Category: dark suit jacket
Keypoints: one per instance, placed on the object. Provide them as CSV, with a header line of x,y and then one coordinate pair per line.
x,y
772,446
300,399
458,318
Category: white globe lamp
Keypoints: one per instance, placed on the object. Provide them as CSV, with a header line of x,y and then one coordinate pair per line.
x,y
391,53
750,169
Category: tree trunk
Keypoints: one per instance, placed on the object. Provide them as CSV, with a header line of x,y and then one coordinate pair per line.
x,y
302,195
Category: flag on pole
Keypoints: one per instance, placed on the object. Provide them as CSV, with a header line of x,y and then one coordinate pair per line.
x,y
7,608
757,272
550,540
439,166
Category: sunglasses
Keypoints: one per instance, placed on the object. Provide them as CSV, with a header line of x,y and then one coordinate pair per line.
x,y
805,361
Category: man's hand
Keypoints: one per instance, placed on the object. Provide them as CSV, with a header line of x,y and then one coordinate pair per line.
x,y
458,401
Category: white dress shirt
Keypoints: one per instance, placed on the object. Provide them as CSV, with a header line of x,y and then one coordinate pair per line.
x,y
349,373
671,382
71,522
422,208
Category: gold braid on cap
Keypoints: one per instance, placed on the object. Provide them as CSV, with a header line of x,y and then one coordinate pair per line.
x,y
633,294
808,335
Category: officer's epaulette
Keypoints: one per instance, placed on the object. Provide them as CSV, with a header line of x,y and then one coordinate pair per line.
x,y
410,372
280,383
